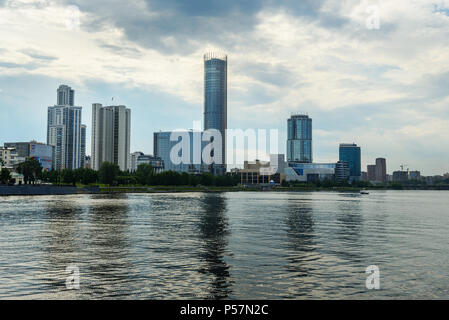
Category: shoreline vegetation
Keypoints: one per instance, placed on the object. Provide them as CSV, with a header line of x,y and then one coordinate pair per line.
x,y
110,179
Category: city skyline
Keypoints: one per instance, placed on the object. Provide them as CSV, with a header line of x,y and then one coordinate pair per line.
x,y
389,101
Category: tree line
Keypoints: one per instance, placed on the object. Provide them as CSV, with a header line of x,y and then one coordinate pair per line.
x,y
111,174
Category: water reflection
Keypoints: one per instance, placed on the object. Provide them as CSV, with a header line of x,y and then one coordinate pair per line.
x,y
350,227
300,235
61,244
214,233
108,242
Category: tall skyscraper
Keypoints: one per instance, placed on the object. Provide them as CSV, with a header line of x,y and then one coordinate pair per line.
x,y
381,170
83,146
350,153
299,140
111,135
66,96
215,100
64,130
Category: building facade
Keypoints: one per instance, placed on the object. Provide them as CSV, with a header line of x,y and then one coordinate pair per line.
x,y
381,170
65,96
163,146
215,101
342,172
400,176
371,172
299,139
307,172
111,135
64,130
83,146
138,158
350,153
9,157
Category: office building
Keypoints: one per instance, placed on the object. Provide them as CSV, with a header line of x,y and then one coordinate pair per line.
x,y
64,130
308,172
215,102
111,134
381,170
414,175
350,153
40,151
342,171
299,139
162,148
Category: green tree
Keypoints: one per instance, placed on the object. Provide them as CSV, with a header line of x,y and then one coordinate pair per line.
x,y
144,174
31,170
89,176
108,173
69,176
5,176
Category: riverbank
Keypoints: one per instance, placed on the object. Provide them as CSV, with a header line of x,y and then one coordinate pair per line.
x,y
66,190
33,190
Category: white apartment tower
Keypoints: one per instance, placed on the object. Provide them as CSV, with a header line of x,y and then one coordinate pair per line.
x,y
111,135
64,130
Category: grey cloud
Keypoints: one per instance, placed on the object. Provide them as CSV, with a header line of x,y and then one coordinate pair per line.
x,y
277,75
11,65
172,26
38,55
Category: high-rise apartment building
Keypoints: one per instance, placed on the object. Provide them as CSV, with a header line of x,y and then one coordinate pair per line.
x,y
371,168
215,101
64,130
65,96
111,135
83,146
350,153
299,140
381,170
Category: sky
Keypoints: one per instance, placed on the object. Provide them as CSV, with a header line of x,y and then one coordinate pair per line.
x,y
375,73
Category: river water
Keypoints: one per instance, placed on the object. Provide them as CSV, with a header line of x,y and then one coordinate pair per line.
x,y
237,245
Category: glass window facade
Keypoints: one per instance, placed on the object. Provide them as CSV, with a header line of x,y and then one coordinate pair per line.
x,y
350,153
299,140
215,95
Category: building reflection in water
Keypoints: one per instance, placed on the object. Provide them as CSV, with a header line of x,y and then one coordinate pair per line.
x,y
349,228
300,241
61,240
214,233
108,242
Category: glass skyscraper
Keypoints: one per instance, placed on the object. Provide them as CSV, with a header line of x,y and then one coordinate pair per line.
x,y
299,140
350,153
215,100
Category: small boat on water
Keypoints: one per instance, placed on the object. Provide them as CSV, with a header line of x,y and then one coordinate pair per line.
x,y
364,192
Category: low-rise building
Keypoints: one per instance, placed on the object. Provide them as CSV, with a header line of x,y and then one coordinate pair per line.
x,y
400,176
304,172
138,158
9,157
40,151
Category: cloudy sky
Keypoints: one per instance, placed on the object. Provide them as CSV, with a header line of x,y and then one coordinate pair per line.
x,y
371,72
